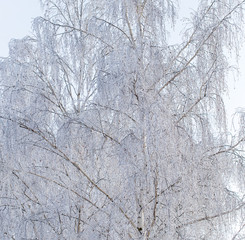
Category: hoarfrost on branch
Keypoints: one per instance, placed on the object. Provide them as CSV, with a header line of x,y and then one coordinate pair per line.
x,y
110,132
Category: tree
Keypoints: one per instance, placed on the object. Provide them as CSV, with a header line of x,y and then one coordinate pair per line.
x,y
110,132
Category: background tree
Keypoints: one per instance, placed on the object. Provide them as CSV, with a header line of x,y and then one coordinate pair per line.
x,y
110,132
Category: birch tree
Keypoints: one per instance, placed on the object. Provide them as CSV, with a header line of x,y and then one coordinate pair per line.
x,y
110,132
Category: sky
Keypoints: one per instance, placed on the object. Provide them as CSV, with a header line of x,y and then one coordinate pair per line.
x,y
16,18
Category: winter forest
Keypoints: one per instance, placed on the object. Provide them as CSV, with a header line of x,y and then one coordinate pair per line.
x,y
110,131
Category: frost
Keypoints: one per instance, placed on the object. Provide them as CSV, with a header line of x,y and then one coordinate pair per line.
x,y
110,132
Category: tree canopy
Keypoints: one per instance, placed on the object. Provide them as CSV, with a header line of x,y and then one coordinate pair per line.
x,y
109,131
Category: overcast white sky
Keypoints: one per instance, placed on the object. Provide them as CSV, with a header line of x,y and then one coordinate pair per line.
x,y
16,17
15,20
